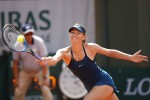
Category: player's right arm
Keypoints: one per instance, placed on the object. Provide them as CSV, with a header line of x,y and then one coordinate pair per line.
x,y
52,60
56,58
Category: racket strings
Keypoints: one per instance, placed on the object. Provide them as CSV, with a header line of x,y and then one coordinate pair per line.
x,y
10,35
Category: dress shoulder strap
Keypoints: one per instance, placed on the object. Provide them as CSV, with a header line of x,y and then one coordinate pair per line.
x,y
71,54
84,49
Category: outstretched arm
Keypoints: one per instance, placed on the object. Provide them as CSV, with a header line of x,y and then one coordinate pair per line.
x,y
136,57
55,59
51,60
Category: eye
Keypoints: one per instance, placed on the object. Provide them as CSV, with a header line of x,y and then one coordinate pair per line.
x,y
79,32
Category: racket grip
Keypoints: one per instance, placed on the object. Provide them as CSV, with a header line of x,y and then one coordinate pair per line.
x,y
37,56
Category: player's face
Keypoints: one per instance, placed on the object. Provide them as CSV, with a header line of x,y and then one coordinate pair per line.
x,y
76,36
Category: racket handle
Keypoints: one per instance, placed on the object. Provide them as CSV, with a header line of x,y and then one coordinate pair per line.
x,y
37,56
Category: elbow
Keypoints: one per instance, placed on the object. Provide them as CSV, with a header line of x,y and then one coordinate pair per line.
x,y
111,53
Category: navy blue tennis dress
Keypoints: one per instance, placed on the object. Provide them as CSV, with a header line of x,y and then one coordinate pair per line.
x,y
90,73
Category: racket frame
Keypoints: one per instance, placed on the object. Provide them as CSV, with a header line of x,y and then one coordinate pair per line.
x,y
25,42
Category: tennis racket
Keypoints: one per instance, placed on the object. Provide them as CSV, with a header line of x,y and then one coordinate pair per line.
x,y
10,34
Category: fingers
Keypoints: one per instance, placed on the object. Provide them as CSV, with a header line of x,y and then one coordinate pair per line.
x,y
146,60
43,59
143,58
140,58
138,52
41,62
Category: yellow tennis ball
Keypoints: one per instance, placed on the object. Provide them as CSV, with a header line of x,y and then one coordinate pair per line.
x,y
20,39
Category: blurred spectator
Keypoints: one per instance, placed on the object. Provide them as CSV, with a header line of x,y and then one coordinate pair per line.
x,y
29,68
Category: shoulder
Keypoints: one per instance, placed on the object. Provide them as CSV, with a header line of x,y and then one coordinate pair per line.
x,y
91,45
64,50
37,38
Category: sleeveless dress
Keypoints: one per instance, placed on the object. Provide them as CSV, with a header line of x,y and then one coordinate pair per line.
x,y
90,73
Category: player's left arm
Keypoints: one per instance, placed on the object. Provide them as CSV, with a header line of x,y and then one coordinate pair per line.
x,y
136,57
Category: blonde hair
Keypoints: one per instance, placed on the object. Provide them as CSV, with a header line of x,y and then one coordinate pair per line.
x,y
83,41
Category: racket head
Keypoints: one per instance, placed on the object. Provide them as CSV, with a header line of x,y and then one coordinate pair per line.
x,y
10,34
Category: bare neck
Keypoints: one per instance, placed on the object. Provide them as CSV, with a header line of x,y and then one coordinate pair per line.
x,y
77,48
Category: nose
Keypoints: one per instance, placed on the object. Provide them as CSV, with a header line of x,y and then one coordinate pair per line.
x,y
74,35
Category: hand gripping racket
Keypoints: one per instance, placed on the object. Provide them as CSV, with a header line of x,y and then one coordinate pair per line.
x,y
10,35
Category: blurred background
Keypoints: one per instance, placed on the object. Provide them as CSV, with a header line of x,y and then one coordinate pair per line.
x,y
116,24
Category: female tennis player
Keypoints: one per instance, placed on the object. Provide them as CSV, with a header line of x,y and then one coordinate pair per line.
x,y
79,57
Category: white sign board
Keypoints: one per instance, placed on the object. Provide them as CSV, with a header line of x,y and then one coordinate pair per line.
x,y
50,18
